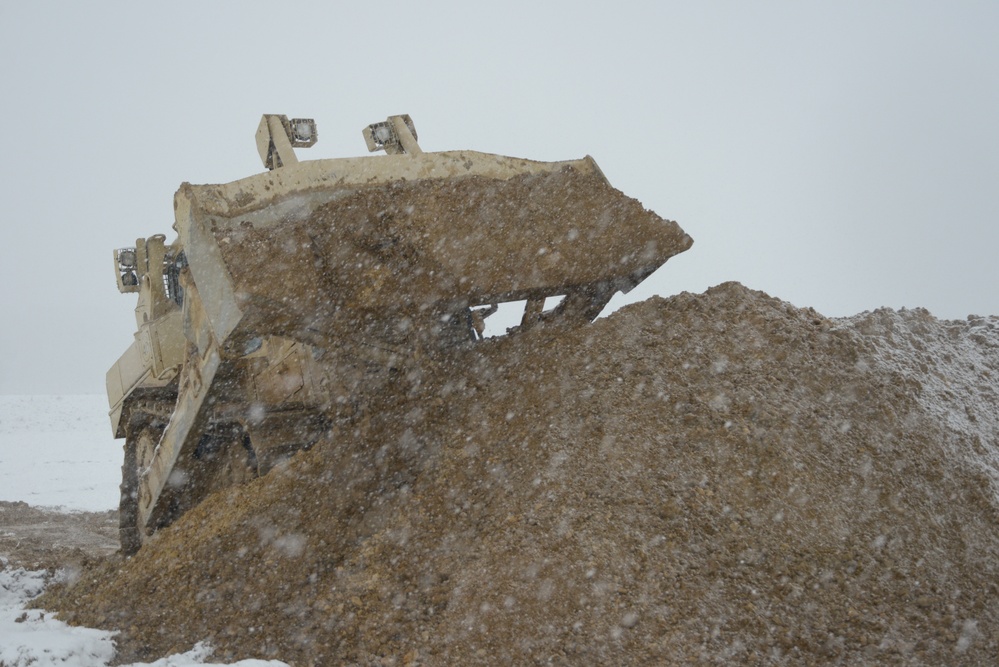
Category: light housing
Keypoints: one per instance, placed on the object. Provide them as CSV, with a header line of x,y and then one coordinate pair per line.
x,y
126,269
302,132
384,137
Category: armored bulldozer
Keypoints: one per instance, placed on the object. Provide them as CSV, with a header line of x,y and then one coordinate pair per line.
x,y
289,296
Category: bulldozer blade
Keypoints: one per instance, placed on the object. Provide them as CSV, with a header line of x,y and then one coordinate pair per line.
x,y
324,261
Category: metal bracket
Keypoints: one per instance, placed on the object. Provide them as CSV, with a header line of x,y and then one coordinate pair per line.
x,y
277,137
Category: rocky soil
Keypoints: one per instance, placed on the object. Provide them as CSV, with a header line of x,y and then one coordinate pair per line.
x,y
706,479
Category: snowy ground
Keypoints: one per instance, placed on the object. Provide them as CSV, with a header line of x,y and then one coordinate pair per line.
x,y
57,451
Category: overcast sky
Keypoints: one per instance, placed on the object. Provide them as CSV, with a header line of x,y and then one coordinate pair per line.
x,y
843,156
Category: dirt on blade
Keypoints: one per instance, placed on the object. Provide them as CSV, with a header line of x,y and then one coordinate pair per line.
x,y
718,478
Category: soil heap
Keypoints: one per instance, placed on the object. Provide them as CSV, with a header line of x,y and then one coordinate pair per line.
x,y
718,478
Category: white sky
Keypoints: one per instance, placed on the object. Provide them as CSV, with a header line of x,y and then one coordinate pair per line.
x,y
843,156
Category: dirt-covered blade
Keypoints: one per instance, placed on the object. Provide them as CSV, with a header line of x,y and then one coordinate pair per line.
x,y
316,255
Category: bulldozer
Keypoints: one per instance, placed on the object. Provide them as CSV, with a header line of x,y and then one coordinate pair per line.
x,y
289,296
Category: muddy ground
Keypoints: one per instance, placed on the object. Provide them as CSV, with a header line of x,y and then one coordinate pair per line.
x,y
37,538
719,478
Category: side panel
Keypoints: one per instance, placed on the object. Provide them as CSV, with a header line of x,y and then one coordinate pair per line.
x,y
121,379
152,360
126,373
162,343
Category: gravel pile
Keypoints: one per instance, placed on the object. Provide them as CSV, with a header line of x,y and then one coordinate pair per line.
x,y
718,478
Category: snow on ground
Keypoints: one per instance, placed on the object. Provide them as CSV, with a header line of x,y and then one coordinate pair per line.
x,y
31,637
57,451
37,639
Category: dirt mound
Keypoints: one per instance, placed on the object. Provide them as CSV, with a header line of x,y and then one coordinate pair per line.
x,y
717,478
